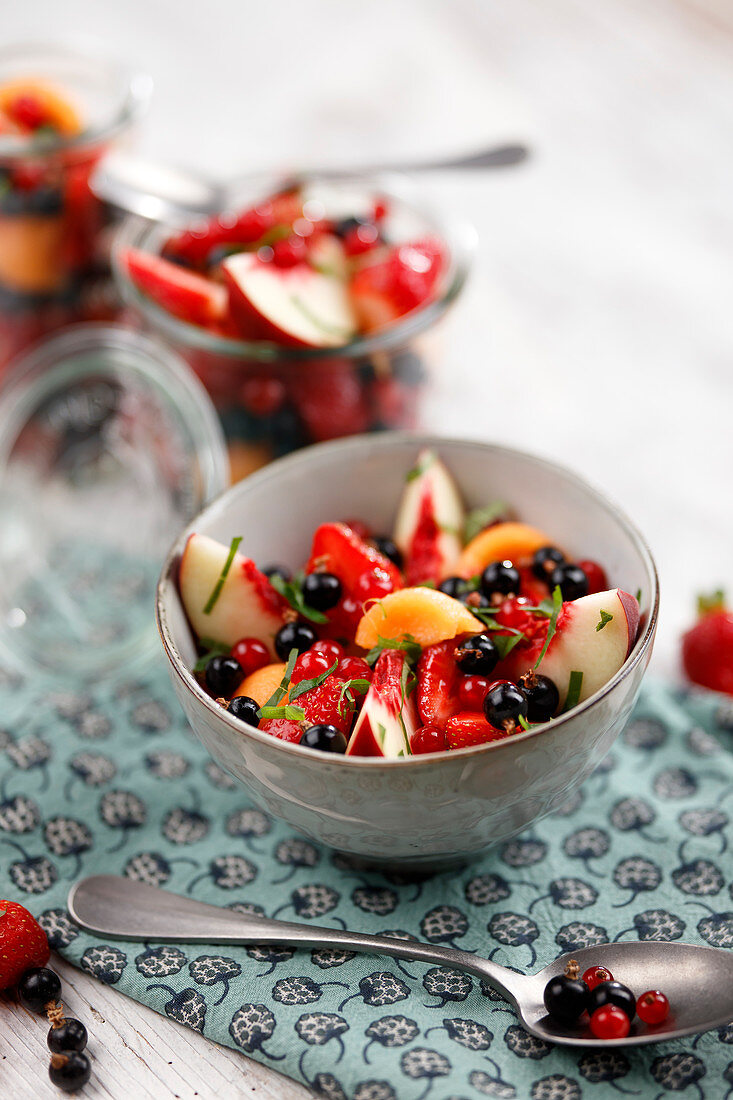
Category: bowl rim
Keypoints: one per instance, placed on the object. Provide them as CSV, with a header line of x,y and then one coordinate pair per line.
x,y
335,447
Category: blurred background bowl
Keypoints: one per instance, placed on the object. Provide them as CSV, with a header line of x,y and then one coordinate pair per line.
x,y
423,812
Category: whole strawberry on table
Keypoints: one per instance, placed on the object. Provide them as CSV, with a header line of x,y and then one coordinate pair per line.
x,y
455,630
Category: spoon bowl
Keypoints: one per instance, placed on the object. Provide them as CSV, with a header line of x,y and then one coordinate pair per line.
x,y
698,981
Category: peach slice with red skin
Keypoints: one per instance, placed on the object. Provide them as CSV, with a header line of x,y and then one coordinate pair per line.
x,y
426,614
388,717
247,605
429,521
514,542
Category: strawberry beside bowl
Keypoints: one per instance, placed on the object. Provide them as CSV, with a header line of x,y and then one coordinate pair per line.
x,y
421,812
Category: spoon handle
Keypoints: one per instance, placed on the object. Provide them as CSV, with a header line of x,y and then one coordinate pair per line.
x,y
498,156
121,908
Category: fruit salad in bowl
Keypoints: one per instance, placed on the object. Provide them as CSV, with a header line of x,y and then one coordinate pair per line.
x,y
456,628
307,308
60,111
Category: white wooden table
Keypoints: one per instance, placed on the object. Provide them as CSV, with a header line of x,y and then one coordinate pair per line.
x,y
598,327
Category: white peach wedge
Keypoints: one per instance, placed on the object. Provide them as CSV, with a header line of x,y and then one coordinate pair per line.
x,y
388,717
430,520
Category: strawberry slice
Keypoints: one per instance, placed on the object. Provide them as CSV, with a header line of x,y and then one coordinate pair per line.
x,y
183,293
339,550
195,245
468,728
384,291
326,704
283,728
437,684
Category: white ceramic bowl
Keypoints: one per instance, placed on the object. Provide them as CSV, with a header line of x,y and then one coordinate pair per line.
x,y
426,811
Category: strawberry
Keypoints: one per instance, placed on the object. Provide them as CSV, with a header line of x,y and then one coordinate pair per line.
x,y
437,684
183,293
195,245
283,728
707,648
326,704
339,550
23,943
388,289
468,728
330,399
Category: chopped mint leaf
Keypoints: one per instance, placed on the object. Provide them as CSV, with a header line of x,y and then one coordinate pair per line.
x,y
272,236
638,595
349,687
419,469
606,617
293,714
552,624
212,649
544,607
281,691
292,591
427,584
479,518
523,722
505,643
574,687
407,644
308,685
487,615
216,591
448,528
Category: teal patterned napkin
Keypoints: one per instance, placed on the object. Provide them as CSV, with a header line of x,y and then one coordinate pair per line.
x,y
112,780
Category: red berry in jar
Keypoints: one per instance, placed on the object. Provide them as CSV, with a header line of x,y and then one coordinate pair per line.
x,y
472,692
428,739
309,665
594,975
610,1022
652,1007
262,394
251,654
289,252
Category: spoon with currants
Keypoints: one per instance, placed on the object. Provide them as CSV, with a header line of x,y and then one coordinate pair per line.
x,y
697,981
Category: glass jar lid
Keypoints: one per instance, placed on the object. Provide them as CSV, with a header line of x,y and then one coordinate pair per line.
x,y
108,446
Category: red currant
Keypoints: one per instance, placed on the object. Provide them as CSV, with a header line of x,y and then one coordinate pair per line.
x,y
652,1007
309,665
381,210
610,1022
354,668
289,252
594,975
428,739
334,651
361,238
251,654
597,580
472,692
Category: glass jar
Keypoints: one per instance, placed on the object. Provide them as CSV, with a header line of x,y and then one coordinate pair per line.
x,y
274,399
54,233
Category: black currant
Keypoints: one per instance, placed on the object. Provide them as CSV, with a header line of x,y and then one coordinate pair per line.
x,y
572,580
325,738
390,550
321,590
222,675
455,587
346,225
244,708
565,998
293,636
271,571
477,655
70,1070
69,1035
500,577
612,993
541,694
545,560
38,987
504,704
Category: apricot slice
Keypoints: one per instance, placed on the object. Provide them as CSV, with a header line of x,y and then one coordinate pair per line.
x,y
503,542
262,684
427,614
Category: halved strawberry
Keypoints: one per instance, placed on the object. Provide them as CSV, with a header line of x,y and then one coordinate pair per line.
x,y
437,684
185,294
283,728
339,550
384,291
468,728
327,704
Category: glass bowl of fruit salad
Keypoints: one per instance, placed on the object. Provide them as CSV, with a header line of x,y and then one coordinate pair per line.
x,y
61,109
308,309
409,648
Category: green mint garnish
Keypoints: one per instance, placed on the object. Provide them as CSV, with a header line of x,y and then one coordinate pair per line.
x,y
281,691
292,591
479,518
422,465
487,616
407,645
606,617
212,649
216,591
293,714
349,687
308,685
524,723
638,595
552,624
448,529
544,607
505,643
574,686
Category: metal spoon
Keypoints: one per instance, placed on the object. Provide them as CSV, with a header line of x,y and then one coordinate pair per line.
x,y
697,980
169,195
